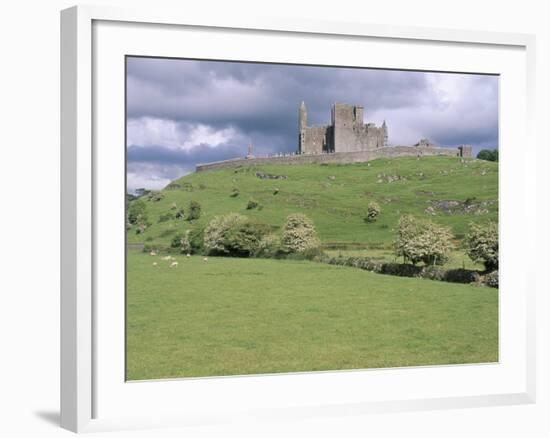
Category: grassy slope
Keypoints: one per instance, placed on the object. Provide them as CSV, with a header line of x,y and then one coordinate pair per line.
x,y
337,205
239,316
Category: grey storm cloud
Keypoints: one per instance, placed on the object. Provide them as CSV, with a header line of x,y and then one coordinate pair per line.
x,y
183,112
168,156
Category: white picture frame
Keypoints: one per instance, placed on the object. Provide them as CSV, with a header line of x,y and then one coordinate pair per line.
x,y
86,83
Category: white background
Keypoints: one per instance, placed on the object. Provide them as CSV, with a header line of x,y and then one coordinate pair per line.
x,y
29,217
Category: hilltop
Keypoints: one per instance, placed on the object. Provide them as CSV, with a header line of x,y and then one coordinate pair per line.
x,y
448,190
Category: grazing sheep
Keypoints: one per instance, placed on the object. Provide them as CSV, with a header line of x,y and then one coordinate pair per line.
x,y
188,255
205,259
153,253
174,264
167,258
155,263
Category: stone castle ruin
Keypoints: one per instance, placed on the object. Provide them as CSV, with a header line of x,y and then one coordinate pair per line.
x,y
346,140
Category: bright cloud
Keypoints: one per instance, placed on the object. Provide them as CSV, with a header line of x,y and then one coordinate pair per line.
x,y
148,131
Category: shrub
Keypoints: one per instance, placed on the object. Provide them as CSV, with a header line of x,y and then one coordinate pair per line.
x,y
180,214
491,279
234,193
243,240
252,204
299,233
137,212
270,247
234,235
148,248
488,155
433,273
194,211
315,253
166,217
141,227
196,239
400,269
461,276
191,241
482,243
422,241
217,228
373,211
185,243
176,241
155,196
366,263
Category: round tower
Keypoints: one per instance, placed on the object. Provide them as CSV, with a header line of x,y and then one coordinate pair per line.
x,y
302,115
384,134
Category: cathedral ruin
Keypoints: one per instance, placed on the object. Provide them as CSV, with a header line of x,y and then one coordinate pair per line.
x,y
348,139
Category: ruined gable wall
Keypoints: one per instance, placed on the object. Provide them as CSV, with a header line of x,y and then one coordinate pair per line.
x,y
351,134
314,139
345,128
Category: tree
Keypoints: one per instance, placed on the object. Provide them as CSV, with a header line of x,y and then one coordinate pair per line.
x,y
185,243
299,234
189,242
194,210
423,241
137,212
234,235
488,155
482,241
373,211
243,240
269,246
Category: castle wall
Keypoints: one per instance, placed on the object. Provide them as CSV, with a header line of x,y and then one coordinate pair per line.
x,y
358,138
339,157
314,139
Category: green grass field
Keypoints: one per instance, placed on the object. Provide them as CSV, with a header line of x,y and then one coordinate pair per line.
x,y
335,197
245,316
232,316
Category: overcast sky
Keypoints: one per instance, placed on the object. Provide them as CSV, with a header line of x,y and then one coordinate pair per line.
x,y
184,112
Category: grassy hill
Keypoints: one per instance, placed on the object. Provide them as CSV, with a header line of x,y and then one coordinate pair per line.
x,y
445,189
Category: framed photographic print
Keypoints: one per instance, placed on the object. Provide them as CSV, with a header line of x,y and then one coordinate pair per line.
x,y
278,219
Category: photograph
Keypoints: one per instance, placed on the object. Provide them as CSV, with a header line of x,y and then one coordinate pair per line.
x,y
289,218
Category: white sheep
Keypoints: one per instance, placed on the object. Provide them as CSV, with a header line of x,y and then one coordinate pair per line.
x,y
153,253
155,263
205,259
167,258
174,264
188,255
